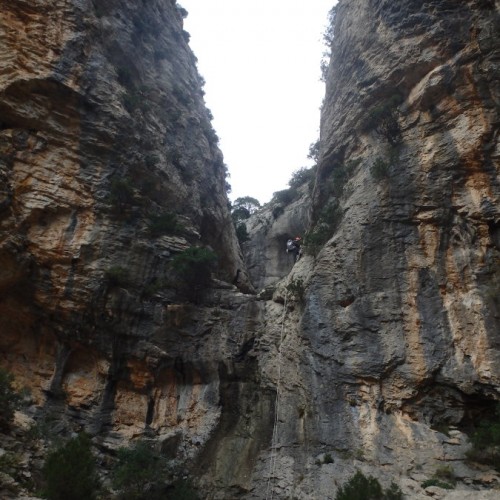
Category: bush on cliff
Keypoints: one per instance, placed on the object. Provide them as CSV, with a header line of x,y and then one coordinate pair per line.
x,y
193,269
139,468
360,487
486,441
70,471
165,223
301,176
9,399
121,192
242,233
118,276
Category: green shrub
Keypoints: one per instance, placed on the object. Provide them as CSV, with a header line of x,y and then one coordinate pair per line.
x,y
138,468
436,482
193,268
242,233
70,471
442,427
488,432
121,192
239,214
296,289
183,489
393,492
383,119
277,211
486,441
360,487
380,169
9,399
248,202
338,180
118,276
300,176
446,472
285,197
328,220
327,459
315,239
165,223
153,287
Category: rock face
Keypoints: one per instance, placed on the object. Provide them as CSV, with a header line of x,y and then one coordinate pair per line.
x,y
104,137
398,335
377,351
270,228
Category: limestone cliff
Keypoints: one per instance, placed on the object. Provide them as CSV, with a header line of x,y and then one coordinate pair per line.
x,y
378,350
398,335
109,168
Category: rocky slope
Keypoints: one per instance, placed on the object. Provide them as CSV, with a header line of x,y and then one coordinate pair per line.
x,y
377,351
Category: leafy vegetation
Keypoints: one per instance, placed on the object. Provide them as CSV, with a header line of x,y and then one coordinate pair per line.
x,y
241,210
300,177
380,169
323,230
193,268
251,205
296,289
314,149
383,119
277,211
166,223
183,490
360,487
486,441
121,192
9,399
328,40
436,482
285,196
118,276
239,214
70,471
446,473
138,468
242,233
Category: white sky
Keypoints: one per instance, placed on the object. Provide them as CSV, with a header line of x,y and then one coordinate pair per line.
x,y
261,62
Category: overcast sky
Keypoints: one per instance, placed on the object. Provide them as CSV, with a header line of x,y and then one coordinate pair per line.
x,y
261,62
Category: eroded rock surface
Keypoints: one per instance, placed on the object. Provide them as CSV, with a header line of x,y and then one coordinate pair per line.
x,y
377,351
399,331
103,130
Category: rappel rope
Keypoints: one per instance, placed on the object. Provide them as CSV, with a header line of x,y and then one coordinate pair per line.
x,y
274,439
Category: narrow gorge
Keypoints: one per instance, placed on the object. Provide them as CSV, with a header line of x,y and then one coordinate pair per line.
x,y
130,312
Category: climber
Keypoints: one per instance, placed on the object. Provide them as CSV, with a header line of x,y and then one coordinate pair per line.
x,y
293,247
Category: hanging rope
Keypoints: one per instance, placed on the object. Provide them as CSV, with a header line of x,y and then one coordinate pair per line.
x,y
274,439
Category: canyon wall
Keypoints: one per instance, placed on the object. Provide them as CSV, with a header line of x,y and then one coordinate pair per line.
x,y
110,168
394,355
377,351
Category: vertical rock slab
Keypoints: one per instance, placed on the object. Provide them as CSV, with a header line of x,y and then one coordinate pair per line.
x,y
104,131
